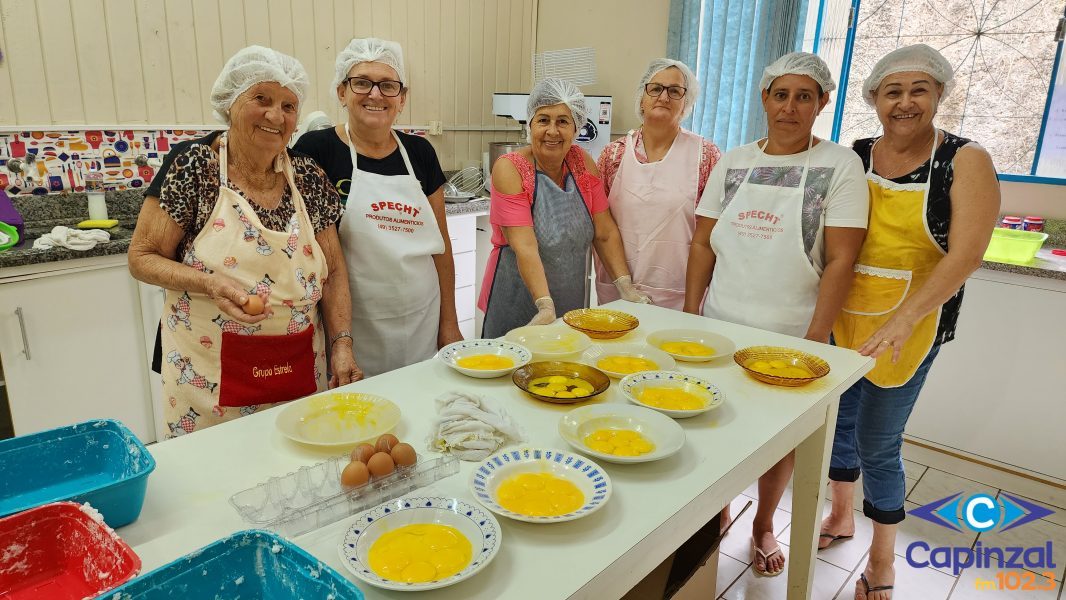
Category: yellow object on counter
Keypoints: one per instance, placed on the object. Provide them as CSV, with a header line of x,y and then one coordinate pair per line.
x,y
779,368
687,348
558,386
98,224
619,442
671,399
539,495
626,364
420,553
485,362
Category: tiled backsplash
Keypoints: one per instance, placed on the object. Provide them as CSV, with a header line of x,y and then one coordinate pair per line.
x,y
61,158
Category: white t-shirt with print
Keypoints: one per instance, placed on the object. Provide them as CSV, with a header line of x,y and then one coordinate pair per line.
x,y
835,193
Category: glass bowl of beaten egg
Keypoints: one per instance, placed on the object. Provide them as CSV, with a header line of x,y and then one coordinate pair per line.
x,y
781,366
420,543
672,393
601,323
539,485
619,360
621,433
485,359
691,345
550,342
560,382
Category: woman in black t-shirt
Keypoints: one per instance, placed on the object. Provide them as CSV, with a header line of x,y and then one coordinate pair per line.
x,y
393,230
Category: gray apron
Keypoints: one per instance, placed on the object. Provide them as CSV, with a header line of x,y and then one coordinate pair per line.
x,y
564,231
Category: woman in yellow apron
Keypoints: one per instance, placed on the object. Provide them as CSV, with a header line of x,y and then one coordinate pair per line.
x,y
934,198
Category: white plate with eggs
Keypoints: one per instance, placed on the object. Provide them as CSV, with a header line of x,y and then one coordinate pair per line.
x,y
335,419
703,395
580,427
691,345
485,358
619,360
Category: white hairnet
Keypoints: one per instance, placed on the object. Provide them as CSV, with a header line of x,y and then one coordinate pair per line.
x,y
917,57
361,50
252,65
661,64
553,91
799,63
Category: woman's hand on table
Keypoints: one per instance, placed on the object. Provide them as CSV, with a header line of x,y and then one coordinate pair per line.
x,y
231,299
448,333
893,334
342,364
545,311
629,292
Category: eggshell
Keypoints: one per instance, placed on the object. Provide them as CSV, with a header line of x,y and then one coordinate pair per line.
x,y
362,453
381,464
386,443
355,474
404,455
254,305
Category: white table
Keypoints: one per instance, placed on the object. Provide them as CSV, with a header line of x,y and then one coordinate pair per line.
x,y
655,507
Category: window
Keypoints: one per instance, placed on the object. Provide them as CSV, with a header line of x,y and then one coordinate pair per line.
x,y
1004,53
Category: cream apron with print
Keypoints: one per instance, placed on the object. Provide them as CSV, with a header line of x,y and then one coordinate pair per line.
x,y
389,235
896,259
763,223
292,266
654,205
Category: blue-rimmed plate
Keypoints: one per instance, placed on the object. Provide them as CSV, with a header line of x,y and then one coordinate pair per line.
x,y
634,385
589,477
477,525
453,353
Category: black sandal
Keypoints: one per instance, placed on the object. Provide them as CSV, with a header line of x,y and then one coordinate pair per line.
x,y
832,539
876,588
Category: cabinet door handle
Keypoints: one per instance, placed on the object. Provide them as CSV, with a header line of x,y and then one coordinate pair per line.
x,y
22,327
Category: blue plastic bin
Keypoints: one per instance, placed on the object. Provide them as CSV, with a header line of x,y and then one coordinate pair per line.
x,y
251,564
100,462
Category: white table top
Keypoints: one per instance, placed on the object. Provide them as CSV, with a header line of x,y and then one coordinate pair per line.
x,y
655,506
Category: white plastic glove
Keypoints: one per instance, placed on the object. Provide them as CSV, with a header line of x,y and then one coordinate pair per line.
x,y
629,291
545,311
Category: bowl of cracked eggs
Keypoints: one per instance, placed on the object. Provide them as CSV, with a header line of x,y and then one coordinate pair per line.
x,y
781,366
560,382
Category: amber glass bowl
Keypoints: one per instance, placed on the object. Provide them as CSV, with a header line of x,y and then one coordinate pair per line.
x,y
746,357
601,323
523,376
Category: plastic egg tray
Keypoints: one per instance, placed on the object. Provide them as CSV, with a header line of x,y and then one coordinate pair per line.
x,y
313,497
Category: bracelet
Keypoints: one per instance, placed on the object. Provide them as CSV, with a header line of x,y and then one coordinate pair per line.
x,y
343,334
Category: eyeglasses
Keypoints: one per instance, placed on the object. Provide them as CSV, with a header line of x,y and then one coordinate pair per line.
x,y
674,92
387,88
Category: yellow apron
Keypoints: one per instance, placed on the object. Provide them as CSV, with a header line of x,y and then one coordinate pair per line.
x,y
896,259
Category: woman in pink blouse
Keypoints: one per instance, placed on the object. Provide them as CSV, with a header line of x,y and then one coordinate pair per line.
x,y
548,209
654,177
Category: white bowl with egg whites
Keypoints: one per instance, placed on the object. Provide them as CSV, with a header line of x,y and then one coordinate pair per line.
x,y
589,478
661,431
719,344
602,354
633,387
464,350
478,526
550,342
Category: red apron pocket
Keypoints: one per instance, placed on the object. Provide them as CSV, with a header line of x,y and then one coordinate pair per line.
x,y
262,369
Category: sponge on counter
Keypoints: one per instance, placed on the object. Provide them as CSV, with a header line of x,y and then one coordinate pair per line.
x,y
98,224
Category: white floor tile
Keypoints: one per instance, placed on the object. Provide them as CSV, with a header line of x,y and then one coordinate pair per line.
x,y
1035,533
982,584
729,570
935,485
926,584
913,529
827,581
913,469
737,543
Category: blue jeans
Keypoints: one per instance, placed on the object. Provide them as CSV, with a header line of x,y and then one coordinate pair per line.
x,y
869,439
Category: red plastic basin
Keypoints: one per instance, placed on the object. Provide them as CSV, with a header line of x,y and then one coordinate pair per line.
x,y
58,551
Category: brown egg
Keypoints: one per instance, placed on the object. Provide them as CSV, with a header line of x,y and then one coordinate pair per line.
x,y
381,464
386,443
404,455
355,474
254,305
362,453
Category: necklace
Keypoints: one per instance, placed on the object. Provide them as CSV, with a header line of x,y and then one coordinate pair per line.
x,y
906,160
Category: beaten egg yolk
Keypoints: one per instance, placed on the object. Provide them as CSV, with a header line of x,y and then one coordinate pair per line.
x,y
420,553
539,495
626,364
687,348
671,399
485,362
558,386
779,368
619,442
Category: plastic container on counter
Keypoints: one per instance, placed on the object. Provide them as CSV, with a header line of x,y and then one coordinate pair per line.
x,y
247,564
313,497
1011,222
100,462
1014,245
1033,224
61,551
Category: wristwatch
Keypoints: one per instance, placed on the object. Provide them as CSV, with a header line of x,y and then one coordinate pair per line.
x,y
342,334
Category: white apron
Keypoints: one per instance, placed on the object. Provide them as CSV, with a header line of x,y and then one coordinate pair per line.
x,y
389,235
654,205
762,275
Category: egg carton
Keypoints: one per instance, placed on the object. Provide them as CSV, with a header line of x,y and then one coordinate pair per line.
x,y
313,497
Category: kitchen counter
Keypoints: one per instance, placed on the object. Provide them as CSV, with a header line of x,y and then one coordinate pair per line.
x,y
1045,264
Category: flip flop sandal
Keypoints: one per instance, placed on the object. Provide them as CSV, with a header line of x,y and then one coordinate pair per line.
x,y
832,539
876,588
765,555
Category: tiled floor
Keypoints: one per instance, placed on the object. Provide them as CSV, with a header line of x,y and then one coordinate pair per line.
x,y
838,567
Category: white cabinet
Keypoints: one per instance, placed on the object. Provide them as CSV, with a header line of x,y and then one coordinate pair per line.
x,y
72,348
461,230
997,391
